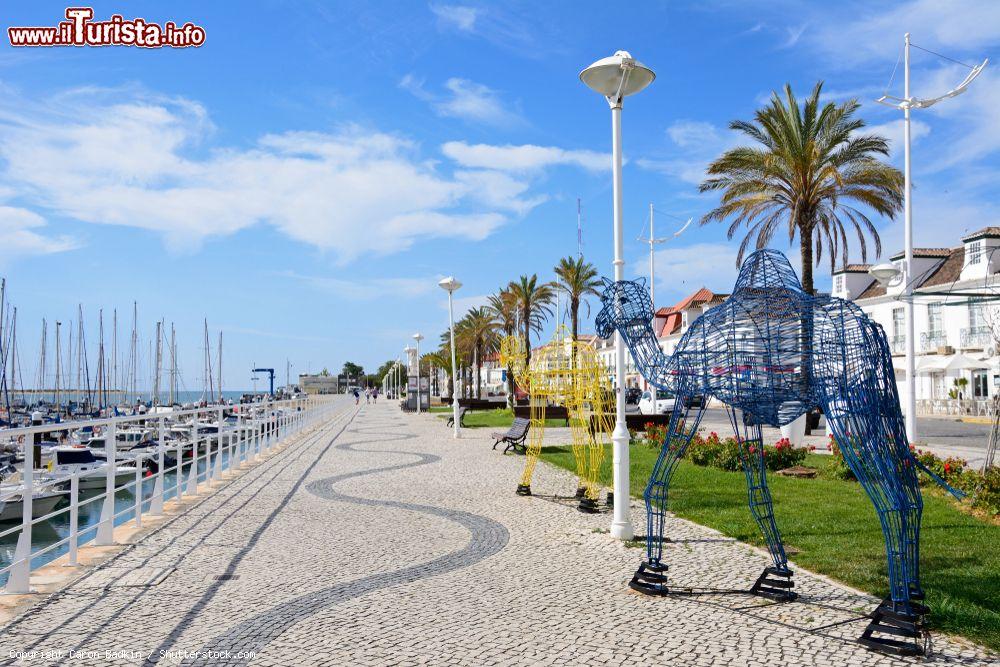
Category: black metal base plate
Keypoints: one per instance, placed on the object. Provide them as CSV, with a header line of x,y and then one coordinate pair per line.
x,y
650,579
775,584
610,501
895,632
523,490
588,506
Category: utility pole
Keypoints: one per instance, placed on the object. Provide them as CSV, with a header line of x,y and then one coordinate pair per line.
x,y
906,103
653,242
579,228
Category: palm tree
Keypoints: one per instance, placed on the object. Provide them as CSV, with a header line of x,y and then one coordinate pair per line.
x,y
441,359
503,307
578,279
477,330
810,172
534,305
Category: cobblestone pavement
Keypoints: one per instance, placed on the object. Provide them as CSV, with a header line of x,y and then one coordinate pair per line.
x,y
380,540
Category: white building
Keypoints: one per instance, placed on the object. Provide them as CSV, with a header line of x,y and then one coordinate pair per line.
x,y
956,333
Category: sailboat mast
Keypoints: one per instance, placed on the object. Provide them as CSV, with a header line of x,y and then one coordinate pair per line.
x,y
219,353
134,361
58,363
13,352
40,386
101,396
173,364
114,355
159,356
69,367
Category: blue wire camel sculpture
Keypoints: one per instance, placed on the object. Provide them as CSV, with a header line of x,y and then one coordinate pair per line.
x,y
770,353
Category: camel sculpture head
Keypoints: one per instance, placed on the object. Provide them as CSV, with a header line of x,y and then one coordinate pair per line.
x,y
623,303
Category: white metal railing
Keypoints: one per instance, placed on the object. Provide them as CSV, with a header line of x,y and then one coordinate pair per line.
x,y
259,427
975,407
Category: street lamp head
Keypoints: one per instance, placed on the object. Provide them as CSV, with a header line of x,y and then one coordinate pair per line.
x,y
418,337
617,76
449,284
884,273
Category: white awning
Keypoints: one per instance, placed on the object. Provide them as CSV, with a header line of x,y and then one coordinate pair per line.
x,y
949,363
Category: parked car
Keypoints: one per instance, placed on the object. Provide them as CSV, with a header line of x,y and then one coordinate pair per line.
x,y
696,401
632,395
663,403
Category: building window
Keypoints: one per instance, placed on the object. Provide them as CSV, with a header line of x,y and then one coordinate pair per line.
x,y
980,387
838,284
977,318
898,323
975,252
934,318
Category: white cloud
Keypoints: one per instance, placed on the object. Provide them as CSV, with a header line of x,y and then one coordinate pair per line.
x,y
695,144
366,290
523,158
684,269
893,132
19,236
456,16
792,35
463,304
466,100
140,162
875,34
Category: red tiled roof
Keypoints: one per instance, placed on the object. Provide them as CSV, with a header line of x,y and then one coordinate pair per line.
x,y
672,316
924,252
982,233
854,268
945,272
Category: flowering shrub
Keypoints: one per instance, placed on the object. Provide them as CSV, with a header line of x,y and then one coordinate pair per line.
x,y
725,453
983,489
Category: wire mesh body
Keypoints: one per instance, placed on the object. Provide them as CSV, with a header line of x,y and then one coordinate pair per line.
x,y
568,373
771,352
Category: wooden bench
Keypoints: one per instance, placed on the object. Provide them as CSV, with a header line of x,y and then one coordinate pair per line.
x,y
633,421
461,417
551,412
514,437
480,404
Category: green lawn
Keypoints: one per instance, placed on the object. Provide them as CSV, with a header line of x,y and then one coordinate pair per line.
x,y
494,418
834,527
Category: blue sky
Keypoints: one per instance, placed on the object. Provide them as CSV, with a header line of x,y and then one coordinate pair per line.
x,y
305,177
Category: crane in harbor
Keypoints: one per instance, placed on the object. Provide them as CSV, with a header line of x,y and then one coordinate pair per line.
x,y
270,374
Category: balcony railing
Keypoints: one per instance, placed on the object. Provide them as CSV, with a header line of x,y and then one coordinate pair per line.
x,y
898,344
932,340
976,337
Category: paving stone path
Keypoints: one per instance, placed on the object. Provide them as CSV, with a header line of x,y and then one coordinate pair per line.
x,y
380,540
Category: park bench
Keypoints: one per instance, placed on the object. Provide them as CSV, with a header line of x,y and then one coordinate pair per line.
x,y
514,437
551,412
633,421
479,404
461,417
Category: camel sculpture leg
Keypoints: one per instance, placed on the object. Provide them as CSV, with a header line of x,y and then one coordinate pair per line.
x,y
775,582
536,436
651,576
872,452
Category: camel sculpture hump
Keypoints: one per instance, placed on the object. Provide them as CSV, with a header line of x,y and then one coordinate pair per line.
x,y
751,351
767,269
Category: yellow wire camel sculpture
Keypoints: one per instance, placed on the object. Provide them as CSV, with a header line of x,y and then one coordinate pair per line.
x,y
569,373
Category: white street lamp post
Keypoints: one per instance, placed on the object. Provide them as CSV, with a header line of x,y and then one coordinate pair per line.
x,y
906,103
617,77
450,285
418,337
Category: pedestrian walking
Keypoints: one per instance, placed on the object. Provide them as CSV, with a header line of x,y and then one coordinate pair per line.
x,y
357,397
